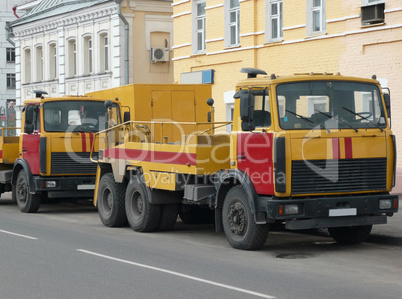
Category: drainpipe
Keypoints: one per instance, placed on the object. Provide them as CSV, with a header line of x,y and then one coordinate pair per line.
x,y
126,39
8,31
15,12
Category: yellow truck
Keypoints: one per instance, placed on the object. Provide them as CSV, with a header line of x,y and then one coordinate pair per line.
x,y
50,159
308,150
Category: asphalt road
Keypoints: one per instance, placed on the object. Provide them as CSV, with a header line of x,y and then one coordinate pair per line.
x,y
64,251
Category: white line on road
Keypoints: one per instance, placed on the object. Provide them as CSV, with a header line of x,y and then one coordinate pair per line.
x,y
178,274
18,235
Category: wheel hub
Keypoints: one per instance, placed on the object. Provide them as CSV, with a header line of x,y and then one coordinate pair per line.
x,y
140,204
22,196
109,200
237,218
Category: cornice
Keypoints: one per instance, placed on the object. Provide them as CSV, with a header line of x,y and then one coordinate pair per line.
x,y
57,22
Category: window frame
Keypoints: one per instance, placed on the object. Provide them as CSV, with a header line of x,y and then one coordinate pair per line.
x,y
27,65
88,55
229,24
11,81
269,17
310,11
10,55
72,57
39,63
196,31
372,2
52,60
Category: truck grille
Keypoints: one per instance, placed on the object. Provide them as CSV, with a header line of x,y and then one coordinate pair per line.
x,y
72,163
344,175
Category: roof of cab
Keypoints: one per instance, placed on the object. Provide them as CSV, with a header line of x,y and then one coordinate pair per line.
x,y
64,98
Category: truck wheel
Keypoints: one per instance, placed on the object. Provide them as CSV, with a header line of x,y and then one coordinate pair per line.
x,y
141,214
111,207
168,217
27,202
238,222
350,235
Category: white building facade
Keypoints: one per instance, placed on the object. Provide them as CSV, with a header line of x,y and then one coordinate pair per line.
x,y
7,67
73,47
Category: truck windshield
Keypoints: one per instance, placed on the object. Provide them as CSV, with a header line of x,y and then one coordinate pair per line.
x,y
330,105
76,116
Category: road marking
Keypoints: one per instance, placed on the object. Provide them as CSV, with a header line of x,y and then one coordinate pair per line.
x,y
18,235
178,274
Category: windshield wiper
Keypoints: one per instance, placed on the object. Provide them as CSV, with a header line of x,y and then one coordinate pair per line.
x,y
302,117
364,117
338,119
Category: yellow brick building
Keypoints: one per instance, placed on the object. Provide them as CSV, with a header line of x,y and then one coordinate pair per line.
x,y
353,37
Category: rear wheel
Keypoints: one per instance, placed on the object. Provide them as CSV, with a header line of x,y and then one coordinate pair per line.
x,y
27,202
168,217
110,203
141,214
238,222
350,235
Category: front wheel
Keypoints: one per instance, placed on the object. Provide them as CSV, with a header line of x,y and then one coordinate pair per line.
x,y
110,203
27,202
238,222
350,235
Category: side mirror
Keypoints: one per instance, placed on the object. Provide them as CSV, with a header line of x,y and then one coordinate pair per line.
x,y
126,116
247,112
387,100
28,128
108,104
29,115
29,110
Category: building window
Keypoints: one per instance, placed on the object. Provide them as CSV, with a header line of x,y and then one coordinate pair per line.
x,y
88,56
39,63
274,19
199,25
72,58
11,81
232,23
315,17
104,52
27,65
10,55
52,61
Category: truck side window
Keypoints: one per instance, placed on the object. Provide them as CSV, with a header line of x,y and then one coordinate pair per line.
x,y
262,111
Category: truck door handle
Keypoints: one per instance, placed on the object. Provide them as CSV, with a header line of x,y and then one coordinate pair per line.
x,y
241,157
24,149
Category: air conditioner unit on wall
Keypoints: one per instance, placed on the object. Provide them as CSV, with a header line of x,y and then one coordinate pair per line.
x,y
373,14
159,55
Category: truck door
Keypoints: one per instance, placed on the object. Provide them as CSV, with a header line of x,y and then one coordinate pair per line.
x,y
31,136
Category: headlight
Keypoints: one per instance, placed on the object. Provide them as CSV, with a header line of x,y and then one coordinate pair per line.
x,y
50,184
385,204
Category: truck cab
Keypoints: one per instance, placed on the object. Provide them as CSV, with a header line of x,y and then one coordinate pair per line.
x,y
54,150
312,151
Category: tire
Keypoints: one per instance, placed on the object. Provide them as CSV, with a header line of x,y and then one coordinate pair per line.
x,y
168,217
27,202
142,216
238,222
110,202
191,214
350,235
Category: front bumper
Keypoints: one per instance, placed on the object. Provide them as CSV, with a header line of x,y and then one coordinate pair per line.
x,y
66,187
332,211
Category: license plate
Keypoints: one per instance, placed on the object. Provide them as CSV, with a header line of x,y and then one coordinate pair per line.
x,y
86,187
342,212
